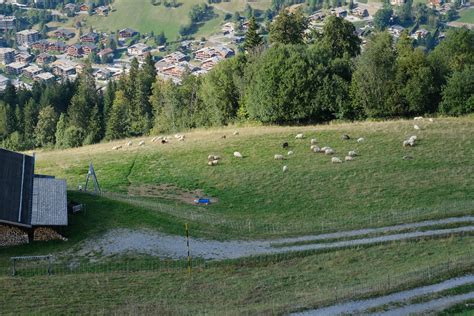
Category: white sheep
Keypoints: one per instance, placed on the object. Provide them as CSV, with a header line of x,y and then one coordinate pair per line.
x,y
360,140
418,118
336,160
177,136
416,127
236,133
238,155
414,137
129,144
213,157
116,147
349,158
213,163
142,143
431,120
313,146
316,149
329,151
285,168
313,141
279,157
290,153
325,148
352,153
299,136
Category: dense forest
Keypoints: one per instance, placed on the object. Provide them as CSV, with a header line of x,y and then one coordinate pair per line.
x,y
296,78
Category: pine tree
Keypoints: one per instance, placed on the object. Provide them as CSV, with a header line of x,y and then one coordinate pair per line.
x,y
30,119
60,130
252,38
117,123
46,128
94,131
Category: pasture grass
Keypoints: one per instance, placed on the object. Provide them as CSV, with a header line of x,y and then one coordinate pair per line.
x,y
379,188
243,287
466,16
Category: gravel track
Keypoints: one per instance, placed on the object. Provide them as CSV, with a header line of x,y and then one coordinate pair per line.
x,y
355,307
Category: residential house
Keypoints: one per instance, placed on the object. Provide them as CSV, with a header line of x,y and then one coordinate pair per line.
x,y
41,45
91,37
7,55
7,22
64,34
396,30
102,10
44,77
103,74
75,50
397,2
339,12
63,68
70,8
15,68
420,34
228,28
84,7
436,3
105,53
138,49
23,57
31,71
88,48
317,16
26,37
208,64
44,58
360,12
127,32
174,57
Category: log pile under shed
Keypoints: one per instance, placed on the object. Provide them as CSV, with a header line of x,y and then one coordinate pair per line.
x,y
12,236
47,234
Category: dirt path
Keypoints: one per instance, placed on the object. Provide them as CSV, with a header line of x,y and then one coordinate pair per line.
x,y
126,241
354,307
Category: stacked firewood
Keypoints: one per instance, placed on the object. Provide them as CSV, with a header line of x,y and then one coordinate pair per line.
x,y
12,236
47,234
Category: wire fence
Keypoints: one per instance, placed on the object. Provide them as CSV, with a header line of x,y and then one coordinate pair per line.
x,y
305,225
270,303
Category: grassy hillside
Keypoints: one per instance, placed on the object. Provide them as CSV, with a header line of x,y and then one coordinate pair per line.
x,y
145,17
466,16
376,189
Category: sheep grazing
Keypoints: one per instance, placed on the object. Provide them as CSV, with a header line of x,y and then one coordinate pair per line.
x,y
290,153
236,133
314,141
418,118
416,127
299,136
278,157
129,144
336,160
164,141
316,149
345,137
181,139
352,153
213,157
285,145
285,168
212,163
410,141
142,143
178,136
360,140
325,148
238,155
329,151
431,120
223,137
349,158
116,147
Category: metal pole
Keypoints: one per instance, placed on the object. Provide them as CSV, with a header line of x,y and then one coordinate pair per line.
x,y
187,244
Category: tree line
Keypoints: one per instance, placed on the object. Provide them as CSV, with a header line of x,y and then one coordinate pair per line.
x,y
297,78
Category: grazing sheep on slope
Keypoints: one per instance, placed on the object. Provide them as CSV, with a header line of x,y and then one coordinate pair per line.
x,y
279,157
299,136
142,143
285,168
116,147
238,155
349,158
336,160
313,141
360,140
285,145
352,153
416,127
316,149
290,153
329,151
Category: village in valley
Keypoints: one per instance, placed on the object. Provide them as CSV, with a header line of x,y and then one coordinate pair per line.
x,y
58,53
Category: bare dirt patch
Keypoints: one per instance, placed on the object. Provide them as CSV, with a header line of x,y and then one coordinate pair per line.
x,y
168,191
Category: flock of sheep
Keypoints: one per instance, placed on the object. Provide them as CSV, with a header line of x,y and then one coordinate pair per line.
x,y
213,160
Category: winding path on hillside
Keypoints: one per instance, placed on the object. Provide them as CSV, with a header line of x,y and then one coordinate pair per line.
x,y
360,306
122,241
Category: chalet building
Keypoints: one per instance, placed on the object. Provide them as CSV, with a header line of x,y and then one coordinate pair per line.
x,y
102,10
397,2
44,77
138,49
15,68
26,37
228,28
90,38
174,57
89,48
420,34
209,52
23,57
57,47
31,71
396,30
127,33
29,200
106,53
41,45
63,68
208,64
85,7
7,55
339,12
64,34
360,12
70,8
7,22
44,59
75,50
